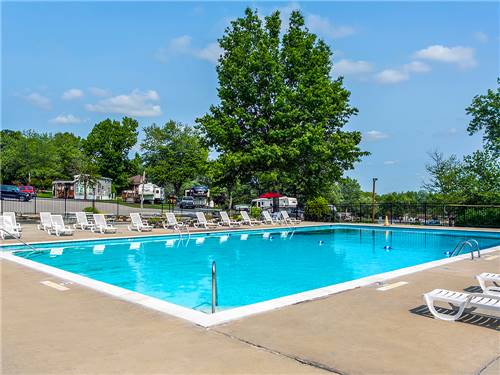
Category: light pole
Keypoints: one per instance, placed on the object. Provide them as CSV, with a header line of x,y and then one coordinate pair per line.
x,y
374,180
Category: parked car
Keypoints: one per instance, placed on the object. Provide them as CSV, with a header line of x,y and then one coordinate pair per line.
x,y
28,189
12,192
187,202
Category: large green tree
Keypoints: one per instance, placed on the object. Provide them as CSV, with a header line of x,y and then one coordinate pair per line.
x,y
281,116
485,112
108,146
173,154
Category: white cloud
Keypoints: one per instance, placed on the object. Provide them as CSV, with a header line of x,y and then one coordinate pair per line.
x,y
38,100
137,103
210,53
461,56
97,91
416,67
481,37
323,26
391,76
349,67
446,133
66,119
72,94
176,46
390,162
375,135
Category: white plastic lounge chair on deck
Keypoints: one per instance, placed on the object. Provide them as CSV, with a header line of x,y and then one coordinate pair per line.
x,y
203,223
15,224
138,224
172,222
247,220
7,229
82,221
45,221
58,226
101,225
288,219
460,300
267,219
226,220
489,277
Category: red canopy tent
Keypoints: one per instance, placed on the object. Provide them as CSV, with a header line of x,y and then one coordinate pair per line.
x,y
270,195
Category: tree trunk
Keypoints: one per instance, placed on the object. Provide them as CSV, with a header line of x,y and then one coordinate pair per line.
x,y
230,193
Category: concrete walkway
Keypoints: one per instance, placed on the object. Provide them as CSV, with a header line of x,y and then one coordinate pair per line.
x,y
362,331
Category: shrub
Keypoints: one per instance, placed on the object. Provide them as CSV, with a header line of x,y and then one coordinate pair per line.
x,y
155,221
255,212
317,209
92,210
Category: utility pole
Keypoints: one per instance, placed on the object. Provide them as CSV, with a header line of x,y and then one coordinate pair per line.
x,y
142,191
373,199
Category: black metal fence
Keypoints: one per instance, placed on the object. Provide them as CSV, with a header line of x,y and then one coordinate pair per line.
x,y
418,213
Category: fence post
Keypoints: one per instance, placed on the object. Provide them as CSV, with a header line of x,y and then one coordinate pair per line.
x,y
35,206
391,211
162,208
117,207
65,206
360,213
425,213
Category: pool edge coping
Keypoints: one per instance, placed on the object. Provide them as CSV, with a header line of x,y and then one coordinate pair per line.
x,y
209,320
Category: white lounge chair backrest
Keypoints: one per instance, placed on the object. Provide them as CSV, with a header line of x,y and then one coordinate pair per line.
x,y
81,218
136,219
245,216
284,215
171,220
200,216
57,221
12,216
100,220
6,223
267,216
45,219
225,217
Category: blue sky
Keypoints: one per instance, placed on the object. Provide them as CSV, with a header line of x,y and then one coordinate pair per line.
x,y
412,69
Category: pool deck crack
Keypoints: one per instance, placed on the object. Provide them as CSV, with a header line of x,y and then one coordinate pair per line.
x,y
301,360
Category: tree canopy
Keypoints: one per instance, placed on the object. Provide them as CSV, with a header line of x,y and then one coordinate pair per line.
x,y
108,145
281,116
173,154
485,112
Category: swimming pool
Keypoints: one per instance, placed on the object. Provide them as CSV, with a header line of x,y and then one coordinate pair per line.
x,y
252,266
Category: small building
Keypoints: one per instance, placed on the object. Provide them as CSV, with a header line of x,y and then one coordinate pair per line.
x,y
81,187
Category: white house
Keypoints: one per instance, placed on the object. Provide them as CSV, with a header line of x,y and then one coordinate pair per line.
x,y
98,189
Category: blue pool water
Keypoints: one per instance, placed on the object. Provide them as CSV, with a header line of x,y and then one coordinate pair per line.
x,y
251,266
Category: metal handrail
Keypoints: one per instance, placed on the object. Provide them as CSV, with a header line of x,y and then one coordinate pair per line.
x,y
20,240
477,247
462,244
215,299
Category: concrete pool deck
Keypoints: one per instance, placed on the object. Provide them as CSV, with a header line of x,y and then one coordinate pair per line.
x,y
361,331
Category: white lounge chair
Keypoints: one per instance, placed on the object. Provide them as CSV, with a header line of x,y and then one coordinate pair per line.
x,y
287,219
246,219
15,224
45,221
203,223
267,219
138,224
226,220
101,225
172,222
58,226
82,222
493,278
461,301
7,229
